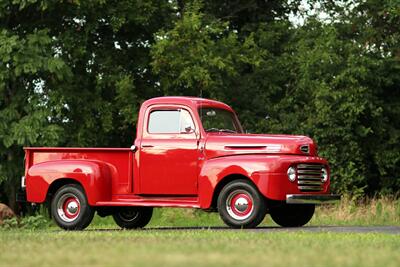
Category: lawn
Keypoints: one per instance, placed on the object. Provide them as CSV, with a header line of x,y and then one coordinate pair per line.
x,y
366,212
103,244
196,248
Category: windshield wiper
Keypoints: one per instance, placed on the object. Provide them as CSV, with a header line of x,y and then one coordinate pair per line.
x,y
227,130
212,130
220,130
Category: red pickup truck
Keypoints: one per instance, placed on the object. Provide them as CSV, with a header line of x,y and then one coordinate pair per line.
x,y
190,153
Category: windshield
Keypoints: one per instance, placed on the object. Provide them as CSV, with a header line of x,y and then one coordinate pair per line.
x,y
218,120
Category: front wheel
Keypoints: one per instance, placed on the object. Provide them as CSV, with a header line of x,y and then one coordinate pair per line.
x,y
240,205
70,208
292,215
133,217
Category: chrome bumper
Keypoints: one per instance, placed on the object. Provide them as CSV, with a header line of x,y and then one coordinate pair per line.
x,y
312,199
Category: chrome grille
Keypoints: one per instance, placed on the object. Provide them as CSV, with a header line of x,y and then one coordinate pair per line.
x,y
309,177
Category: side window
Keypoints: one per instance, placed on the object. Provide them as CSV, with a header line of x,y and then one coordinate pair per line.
x,y
186,124
170,121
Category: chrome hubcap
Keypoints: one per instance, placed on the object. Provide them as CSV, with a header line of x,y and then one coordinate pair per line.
x,y
239,204
68,207
72,207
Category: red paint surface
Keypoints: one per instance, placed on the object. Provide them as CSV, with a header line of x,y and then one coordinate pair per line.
x,y
179,170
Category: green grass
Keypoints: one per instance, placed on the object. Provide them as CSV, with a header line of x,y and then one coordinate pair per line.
x,y
366,212
102,244
196,248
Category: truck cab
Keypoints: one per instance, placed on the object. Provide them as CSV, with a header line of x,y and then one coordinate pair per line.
x,y
190,153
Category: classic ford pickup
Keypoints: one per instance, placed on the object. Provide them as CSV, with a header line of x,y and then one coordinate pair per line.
x,y
190,153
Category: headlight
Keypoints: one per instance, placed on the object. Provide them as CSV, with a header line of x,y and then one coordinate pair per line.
x,y
291,173
324,175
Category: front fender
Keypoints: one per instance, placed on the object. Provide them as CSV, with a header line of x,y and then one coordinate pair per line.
x,y
267,172
94,176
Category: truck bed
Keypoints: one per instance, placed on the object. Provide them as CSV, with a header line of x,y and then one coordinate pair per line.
x,y
119,159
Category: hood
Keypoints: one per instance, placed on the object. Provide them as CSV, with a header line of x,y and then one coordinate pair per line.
x,y
219,144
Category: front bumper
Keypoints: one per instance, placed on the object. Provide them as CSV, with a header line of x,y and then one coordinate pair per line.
x,y
311,199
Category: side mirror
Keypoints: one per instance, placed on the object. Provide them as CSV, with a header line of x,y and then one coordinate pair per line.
x,y
188,130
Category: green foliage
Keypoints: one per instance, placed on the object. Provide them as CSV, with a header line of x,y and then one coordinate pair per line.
x,y
319,79
200,54
30,222
72,73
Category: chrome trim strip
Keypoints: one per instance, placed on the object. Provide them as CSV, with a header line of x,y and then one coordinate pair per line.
x,y
304,177
246,146
266,147
316,172
311,199
316,183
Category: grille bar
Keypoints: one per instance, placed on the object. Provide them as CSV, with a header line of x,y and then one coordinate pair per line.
x,y
316,183
310,166
302,171
307,177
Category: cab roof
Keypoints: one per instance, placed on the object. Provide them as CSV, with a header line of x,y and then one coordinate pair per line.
x,y
185,100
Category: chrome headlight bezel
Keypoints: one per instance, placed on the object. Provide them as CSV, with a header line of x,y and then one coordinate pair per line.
x,y
291,173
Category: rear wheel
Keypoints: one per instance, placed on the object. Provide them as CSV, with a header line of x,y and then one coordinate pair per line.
x,y
70,209
133,217
292,215
240,205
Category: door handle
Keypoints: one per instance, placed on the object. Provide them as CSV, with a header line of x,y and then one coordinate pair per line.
x,y
143,146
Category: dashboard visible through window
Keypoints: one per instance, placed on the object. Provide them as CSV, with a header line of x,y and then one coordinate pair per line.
x,y
218,120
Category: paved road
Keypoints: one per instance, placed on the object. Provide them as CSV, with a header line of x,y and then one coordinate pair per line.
x,y
338,229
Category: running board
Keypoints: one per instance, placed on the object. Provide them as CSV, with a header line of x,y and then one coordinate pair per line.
x,y
180,202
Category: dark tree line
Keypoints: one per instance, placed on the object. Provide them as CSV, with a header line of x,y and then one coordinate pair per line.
x,y
74,73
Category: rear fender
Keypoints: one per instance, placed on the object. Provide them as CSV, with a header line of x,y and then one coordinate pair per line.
x,y
94,176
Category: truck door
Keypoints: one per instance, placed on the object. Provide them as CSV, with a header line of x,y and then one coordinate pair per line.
x,y
169,152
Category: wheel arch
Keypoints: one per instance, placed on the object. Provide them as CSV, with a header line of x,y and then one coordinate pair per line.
x,y
218,172
95,177
57,184
223,182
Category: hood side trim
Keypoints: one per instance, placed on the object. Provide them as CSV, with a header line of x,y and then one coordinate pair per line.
x,y
266,147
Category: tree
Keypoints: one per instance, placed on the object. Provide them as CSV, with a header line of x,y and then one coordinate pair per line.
x,y
72,73
319,79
